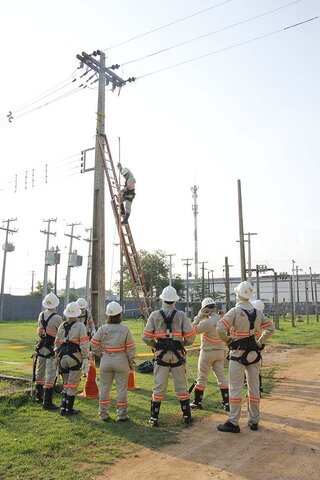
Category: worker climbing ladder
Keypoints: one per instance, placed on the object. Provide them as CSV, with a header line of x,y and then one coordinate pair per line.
x,y
125,235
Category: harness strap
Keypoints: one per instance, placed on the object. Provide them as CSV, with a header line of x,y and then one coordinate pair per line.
x,y
46,341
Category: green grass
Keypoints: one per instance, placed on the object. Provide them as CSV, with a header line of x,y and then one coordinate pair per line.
x,y
303,334
40,445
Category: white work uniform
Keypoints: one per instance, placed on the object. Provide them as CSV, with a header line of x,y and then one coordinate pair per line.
x,y
114,343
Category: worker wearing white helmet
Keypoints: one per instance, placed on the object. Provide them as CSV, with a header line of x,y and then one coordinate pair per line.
x,y
44,362
211,353
127,194
114,344
86,317
72,350
245,330
168,331
258,304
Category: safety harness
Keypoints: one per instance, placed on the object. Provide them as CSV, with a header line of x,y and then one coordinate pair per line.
x,y
167,344
46,340
247,344
85,316
69,348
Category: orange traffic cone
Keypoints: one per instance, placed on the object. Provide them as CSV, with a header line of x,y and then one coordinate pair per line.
x,y
90,387
132,381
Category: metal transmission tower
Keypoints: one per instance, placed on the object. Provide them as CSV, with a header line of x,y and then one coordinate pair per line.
x,y
7,247
46,263
194,190
72,260
106,77
241,235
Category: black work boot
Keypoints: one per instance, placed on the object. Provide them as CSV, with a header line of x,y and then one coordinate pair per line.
x,y
125,219
47,401
63,404
225,399
39,393
69,406
228,427
154,412
253,426
122,210
185,407
197,402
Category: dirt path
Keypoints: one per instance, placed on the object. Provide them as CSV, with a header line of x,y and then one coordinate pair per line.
x,y
286,446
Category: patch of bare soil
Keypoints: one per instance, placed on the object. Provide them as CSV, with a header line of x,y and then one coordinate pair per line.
x,y
286,446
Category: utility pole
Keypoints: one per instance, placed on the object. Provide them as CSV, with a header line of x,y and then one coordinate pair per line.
x,y
89,264
7,247
170,255
241,235
194,190
249,234
187,264
258,281
316,300
311,286
227,280
32,280
72,225
106,76
297,277
307,300
293,296
292,300
276,302
46,264
202,280
57,250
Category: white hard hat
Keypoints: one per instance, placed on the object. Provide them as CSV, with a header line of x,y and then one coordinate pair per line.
x,y
50,301
125,170
113,308
82,303
207,301
244,289
258,304
169,294
72,310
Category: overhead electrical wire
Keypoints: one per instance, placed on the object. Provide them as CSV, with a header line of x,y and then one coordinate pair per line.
x,y
214,32
166,25
215,52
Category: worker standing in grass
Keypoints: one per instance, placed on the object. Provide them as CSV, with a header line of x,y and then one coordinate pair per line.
x,y
72,349
127,194
211,353
168,330
114,344
245,330
86,317
44,361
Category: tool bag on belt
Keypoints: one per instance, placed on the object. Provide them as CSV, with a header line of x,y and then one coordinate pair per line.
x,y
46,341
167,344
69,348
248,344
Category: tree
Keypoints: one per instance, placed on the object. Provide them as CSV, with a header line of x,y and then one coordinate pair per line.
x,y
156,268
39,289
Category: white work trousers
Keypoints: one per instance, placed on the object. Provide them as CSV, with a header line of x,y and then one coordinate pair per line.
x,y
114,366
161,376
46,371
211,359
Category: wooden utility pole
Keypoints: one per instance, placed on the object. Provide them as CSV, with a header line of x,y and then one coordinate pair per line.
x,y
241,235
89,265
46,264
72,225
316,299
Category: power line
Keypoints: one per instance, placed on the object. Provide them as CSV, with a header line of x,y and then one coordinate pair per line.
x,y
214,32
227,48
166,25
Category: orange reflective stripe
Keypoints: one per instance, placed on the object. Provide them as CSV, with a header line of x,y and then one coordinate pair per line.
x,y
199,387
157,397
58,341
266,324
95,342
40,382
226,324
48,385
254,399
83,339
72,385
52,332
241,334
223,386
129,345
159,334
39,329
187,335
114,349
104,402
235,400
148,334
122,404
212,340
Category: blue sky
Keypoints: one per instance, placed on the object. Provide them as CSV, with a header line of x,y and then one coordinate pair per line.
x,y
250,113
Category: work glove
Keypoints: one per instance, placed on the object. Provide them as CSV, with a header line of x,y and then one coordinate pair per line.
x,y
85,366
